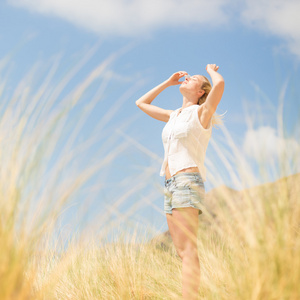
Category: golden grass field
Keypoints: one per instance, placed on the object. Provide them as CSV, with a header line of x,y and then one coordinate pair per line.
x,y
249,240
248,247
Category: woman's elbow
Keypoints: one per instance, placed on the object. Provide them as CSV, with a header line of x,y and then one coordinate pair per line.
x,y
220,84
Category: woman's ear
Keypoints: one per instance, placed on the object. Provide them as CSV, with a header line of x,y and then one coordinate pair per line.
x,y
201,93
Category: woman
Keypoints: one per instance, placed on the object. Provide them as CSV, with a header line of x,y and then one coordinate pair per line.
x,y
185,138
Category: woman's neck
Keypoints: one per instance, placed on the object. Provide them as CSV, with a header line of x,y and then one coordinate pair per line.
x,y
188,102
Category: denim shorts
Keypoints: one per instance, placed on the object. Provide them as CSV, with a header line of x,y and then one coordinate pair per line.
x,y
184,190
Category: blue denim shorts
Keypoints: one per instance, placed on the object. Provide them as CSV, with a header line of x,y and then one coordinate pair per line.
x,y
184,190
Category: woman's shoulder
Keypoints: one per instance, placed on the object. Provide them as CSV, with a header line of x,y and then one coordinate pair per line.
x,y
174,112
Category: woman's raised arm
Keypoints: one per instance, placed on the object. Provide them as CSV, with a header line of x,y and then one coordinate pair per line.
x,y
215,95
144,103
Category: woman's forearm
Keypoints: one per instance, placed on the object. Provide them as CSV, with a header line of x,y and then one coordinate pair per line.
x,y
152,94
215,94
215,77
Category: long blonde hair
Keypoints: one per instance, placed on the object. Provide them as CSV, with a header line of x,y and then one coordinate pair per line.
x,y
206,87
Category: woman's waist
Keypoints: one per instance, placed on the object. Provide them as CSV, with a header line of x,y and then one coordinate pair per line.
x,y
190,171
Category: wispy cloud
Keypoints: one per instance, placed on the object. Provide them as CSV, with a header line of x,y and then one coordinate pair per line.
x,y
130,17
277,17
141,17
266,145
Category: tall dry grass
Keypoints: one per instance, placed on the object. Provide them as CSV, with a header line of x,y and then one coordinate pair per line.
x,y
248,248
44,166
249,240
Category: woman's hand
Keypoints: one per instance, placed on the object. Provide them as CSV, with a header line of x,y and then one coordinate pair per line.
x,y
212,67
174,79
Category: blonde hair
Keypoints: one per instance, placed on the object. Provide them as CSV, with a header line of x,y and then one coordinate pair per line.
x,y
206,87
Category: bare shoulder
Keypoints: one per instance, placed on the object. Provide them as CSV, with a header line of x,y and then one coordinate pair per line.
x,y
165,115
204,115
169,112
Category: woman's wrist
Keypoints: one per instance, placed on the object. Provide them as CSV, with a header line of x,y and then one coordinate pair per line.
x,y
166,83
211,72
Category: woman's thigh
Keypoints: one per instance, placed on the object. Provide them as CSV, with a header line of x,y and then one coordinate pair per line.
x,y
183,227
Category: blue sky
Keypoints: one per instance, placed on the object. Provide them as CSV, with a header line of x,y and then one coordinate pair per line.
x,y
255,43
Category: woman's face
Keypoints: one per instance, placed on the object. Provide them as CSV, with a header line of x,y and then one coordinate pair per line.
x,y
192,85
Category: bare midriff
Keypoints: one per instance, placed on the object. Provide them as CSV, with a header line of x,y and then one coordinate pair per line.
x,y
187,170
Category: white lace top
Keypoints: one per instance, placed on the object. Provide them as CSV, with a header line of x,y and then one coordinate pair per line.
x,y
185,141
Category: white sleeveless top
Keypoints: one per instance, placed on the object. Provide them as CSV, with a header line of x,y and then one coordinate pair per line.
x,y
185,141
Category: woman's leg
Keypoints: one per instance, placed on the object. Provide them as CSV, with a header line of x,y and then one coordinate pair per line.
x,y
183,226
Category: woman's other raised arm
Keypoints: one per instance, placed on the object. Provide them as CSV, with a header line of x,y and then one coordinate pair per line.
x,y
215,95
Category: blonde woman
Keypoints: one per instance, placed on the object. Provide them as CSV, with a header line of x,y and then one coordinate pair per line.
x,y
185,139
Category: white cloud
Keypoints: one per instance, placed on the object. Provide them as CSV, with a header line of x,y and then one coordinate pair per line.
x,y
140,17
276,17
130,17
265,145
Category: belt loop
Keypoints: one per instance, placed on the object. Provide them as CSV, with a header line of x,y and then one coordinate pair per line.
x,y
173,180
